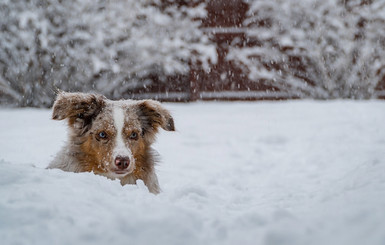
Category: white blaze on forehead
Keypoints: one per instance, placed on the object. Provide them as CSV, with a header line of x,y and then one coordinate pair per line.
x,y
120,147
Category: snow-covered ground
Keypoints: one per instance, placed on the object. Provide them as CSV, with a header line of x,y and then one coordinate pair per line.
x,y
299,172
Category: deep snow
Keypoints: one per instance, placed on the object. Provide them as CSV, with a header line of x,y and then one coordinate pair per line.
x,y
299,172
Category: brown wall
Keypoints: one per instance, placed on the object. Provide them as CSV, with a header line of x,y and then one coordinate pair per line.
x,y
224,81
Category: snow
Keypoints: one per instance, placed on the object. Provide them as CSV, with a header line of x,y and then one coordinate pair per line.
x,y
120,44
314,49
298,172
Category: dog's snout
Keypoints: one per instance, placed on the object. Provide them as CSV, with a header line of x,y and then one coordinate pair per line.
x,y
122,162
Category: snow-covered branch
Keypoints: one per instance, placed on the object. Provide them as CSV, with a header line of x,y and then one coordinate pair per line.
x,y
107,46
316,49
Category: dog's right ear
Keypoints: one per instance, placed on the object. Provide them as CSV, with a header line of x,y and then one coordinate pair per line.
x,y
79,108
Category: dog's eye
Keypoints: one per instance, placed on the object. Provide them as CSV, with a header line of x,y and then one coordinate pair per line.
x,y
134,136
102,135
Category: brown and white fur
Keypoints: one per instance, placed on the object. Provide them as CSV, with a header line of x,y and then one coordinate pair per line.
x,y
110,138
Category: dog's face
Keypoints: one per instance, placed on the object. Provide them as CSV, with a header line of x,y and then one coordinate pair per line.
x,y
110,135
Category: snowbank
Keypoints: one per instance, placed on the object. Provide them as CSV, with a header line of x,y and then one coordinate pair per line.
x,y
234,173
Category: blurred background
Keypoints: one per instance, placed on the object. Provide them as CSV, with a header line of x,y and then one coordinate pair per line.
x,y
173,50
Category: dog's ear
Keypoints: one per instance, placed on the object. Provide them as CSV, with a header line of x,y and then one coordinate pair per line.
x,y
79,108
153,115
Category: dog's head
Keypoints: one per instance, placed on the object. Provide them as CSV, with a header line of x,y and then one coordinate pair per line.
x,y
109,136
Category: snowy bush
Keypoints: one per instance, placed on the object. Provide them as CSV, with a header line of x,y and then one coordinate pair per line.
x,y
106,46
319,49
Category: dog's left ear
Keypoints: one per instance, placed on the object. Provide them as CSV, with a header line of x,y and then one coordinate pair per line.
x,y
153,115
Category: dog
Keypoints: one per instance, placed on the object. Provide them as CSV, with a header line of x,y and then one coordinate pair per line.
x,y
111,138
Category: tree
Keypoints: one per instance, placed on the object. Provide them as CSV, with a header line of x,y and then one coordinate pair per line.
x,y
315,49
94,45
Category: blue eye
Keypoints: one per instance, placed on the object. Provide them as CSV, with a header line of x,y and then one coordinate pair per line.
x,y
103,135
134,136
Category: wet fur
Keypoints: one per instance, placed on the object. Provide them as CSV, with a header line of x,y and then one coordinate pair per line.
x,y
88,114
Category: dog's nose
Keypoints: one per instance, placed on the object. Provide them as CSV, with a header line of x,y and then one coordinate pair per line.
x,y
122,162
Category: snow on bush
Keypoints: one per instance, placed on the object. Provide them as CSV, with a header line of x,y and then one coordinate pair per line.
x,y
319,49
108,46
